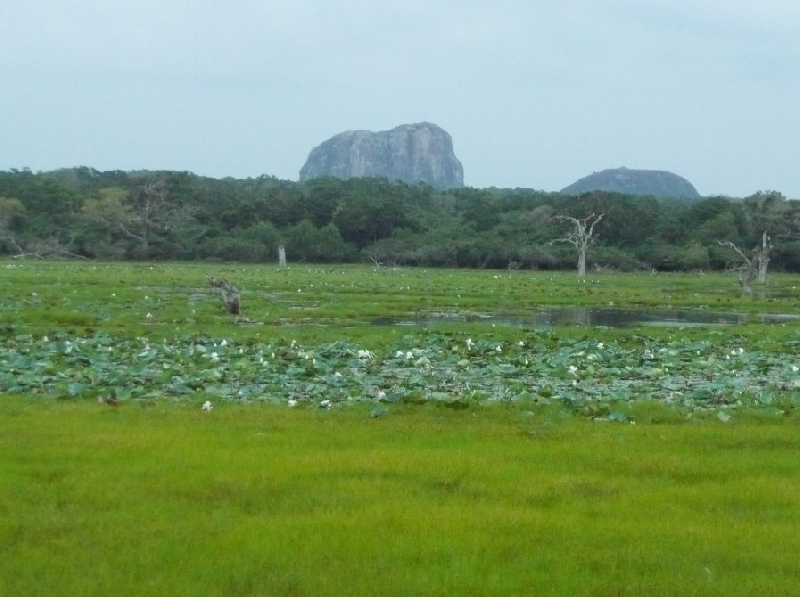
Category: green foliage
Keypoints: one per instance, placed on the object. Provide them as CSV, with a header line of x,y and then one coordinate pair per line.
x,y
163,215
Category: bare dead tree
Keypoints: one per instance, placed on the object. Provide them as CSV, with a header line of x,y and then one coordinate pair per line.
x,y
137,216
763,258
281,256
48,248
747,270
581,236
230,294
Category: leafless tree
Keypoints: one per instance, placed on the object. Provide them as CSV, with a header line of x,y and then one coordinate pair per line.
x,y
581,236
747,270
136,216
282,256
47,248
763,258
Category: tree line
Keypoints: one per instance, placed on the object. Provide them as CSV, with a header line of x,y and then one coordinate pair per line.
x,y
85,213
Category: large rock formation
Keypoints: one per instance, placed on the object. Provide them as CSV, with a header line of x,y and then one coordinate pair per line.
x,y
657,183
412,153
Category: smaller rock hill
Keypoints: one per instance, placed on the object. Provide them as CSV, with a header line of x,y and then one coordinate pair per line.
x,y
656,183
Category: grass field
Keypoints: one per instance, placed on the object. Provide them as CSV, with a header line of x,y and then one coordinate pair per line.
x,y
494,460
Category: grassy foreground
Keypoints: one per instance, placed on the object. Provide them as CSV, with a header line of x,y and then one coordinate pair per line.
x,y
458,456
172,500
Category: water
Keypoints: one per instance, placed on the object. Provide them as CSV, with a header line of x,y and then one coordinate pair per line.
x,y
614,318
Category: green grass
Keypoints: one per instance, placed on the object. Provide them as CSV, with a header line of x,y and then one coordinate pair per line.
x,y
318,302
423,501
156,497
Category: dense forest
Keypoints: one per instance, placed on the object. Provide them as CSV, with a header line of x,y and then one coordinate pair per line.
x,y
84,213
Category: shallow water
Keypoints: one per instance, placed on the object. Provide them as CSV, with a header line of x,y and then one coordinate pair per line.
x,y
614,318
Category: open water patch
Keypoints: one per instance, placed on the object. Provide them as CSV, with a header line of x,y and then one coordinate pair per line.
x,y
606,317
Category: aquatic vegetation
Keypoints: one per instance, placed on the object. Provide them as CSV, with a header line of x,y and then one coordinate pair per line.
x,y
589,376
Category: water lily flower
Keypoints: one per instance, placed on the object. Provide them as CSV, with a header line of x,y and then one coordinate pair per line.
x,y
207,406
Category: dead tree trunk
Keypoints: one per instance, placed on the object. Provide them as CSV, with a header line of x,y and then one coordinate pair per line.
x,y
747,272
763,258
579,237
281,256
230,295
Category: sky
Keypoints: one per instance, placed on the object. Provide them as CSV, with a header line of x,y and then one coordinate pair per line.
x,y
535,93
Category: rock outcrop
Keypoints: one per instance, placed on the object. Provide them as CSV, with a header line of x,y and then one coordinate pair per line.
x,y
412,153
657,183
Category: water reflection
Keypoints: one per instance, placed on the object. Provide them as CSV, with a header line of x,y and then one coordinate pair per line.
x,y
614,318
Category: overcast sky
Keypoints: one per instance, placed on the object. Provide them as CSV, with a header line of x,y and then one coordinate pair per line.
x,y
535,93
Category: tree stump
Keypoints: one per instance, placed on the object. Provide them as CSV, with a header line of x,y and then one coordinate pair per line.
x,y
230,294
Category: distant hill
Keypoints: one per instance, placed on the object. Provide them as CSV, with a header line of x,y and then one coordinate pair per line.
x,y
421,152
657,183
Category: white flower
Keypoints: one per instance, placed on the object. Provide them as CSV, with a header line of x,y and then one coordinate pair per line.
x,y
45,339
499,348
795,368
409,355
381,394
573,369
469,343
223,343
521,343
207,406
292,403
600,345
149,316
214,356
337,374
364,354
325,404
